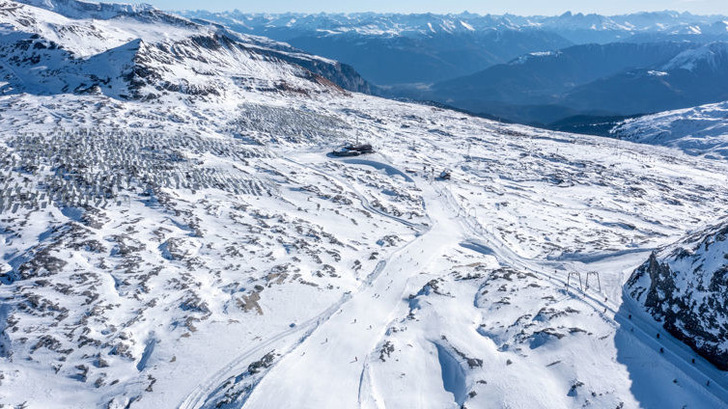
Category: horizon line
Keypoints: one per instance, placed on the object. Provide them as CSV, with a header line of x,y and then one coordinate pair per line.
x,y
464,12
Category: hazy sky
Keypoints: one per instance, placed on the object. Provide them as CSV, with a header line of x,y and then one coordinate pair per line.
x,y
522,7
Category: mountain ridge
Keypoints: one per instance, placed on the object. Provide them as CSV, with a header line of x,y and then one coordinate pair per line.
x,y
170,33
416,56
446,46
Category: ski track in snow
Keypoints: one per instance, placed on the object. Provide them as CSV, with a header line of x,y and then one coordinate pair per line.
x,y
198,397
677,353
354,386
333,348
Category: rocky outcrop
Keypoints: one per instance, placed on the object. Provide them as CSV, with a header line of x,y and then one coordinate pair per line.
x,y
685,287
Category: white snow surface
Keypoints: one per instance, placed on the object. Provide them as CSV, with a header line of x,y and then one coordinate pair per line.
x,y
201,250
701,130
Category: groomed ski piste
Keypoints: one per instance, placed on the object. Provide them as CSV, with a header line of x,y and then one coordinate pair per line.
x,y
196,247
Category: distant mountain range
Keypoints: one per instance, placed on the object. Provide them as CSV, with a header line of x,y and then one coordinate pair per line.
x,y
392,49
564,72
618,79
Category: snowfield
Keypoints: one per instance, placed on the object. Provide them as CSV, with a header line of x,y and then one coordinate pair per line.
x,y
700,130
202,250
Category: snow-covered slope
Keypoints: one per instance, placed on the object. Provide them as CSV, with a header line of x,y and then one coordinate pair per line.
x,y
710,57
684,287
146,55
202,250
700,130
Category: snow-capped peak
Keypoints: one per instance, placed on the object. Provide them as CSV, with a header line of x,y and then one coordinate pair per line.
x,y
87,9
